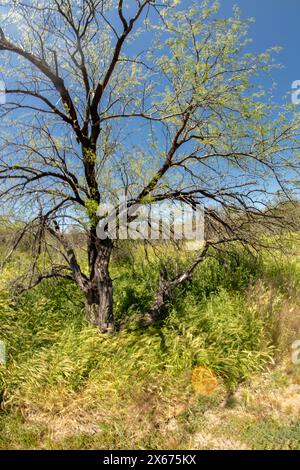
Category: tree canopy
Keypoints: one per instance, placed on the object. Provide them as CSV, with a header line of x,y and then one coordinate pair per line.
x,y
157,98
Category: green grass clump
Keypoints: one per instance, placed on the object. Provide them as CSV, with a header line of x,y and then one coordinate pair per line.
x,y
222,332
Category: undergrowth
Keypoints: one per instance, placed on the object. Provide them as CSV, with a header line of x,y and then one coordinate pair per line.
x,y
59,366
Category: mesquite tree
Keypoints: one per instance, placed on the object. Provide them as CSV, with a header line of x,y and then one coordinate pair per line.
x,y
160,98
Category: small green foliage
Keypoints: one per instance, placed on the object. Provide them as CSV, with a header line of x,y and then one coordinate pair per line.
x,y
91,207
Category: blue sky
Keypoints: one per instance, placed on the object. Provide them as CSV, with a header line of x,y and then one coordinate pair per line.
x,y
276,24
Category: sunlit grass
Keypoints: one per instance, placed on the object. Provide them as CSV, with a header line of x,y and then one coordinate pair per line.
x,y
66,386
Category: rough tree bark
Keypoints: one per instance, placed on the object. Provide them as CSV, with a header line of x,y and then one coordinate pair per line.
x,y
99,293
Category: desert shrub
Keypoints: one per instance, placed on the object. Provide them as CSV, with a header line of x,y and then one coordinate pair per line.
x,y
233,270
283,273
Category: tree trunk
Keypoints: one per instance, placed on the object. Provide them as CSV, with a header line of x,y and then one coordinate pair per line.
x,y
99,297
99,306
166,289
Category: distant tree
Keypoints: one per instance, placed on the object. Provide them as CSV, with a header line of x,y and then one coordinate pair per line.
x,y
147,96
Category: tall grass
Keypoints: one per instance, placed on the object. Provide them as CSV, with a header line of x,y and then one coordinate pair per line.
x,y
56,362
